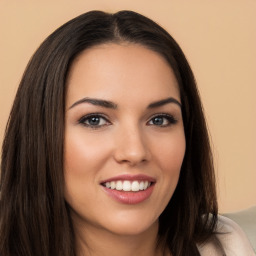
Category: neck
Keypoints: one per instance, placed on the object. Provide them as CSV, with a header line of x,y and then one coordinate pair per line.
x,y
95,241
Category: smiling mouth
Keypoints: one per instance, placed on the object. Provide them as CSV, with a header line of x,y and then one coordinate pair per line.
x,y
129,189
127,185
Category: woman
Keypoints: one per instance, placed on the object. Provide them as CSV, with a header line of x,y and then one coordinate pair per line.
x,y
106,150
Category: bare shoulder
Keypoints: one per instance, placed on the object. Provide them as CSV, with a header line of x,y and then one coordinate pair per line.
x,y
230,237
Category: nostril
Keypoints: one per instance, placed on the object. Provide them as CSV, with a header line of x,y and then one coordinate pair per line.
x,y
131,156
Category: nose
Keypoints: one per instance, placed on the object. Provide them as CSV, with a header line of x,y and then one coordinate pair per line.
x,y
131,147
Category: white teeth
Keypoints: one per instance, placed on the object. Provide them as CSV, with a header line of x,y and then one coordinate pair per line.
x,y
128,185
119,185
135,186
112,185
141,185
145,184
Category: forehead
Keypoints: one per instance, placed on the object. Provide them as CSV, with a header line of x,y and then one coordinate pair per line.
x,y
116,71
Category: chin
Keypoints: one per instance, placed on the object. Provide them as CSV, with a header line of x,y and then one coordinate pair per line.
x,y
132,226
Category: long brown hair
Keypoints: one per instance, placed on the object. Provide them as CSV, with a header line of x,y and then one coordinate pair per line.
x,y
34,217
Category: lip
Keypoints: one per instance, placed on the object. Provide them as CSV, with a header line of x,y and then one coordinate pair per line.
x,y
130,197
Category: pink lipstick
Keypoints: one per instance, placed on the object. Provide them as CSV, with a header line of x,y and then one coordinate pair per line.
x,y
129,189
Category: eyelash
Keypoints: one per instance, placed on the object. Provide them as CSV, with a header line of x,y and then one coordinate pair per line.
x,y
170,120
83,120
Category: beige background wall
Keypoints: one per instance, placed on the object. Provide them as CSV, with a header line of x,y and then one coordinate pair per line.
x,y
218,38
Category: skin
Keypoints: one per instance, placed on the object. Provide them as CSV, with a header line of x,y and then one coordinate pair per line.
x,y
128,140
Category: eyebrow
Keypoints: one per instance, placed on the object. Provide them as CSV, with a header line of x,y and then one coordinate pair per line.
x,y
96,102
163,102
112,105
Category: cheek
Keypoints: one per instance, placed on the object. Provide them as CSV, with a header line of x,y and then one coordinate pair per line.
x,y
172,158
170,153
84,157
83,154
169,157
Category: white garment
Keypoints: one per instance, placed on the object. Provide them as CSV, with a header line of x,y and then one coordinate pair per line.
x,y
232,239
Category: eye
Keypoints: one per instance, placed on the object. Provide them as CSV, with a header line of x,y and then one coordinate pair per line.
x,y
94,121
162,120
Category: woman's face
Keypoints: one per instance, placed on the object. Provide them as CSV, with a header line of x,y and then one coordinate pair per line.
x,y
124,138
